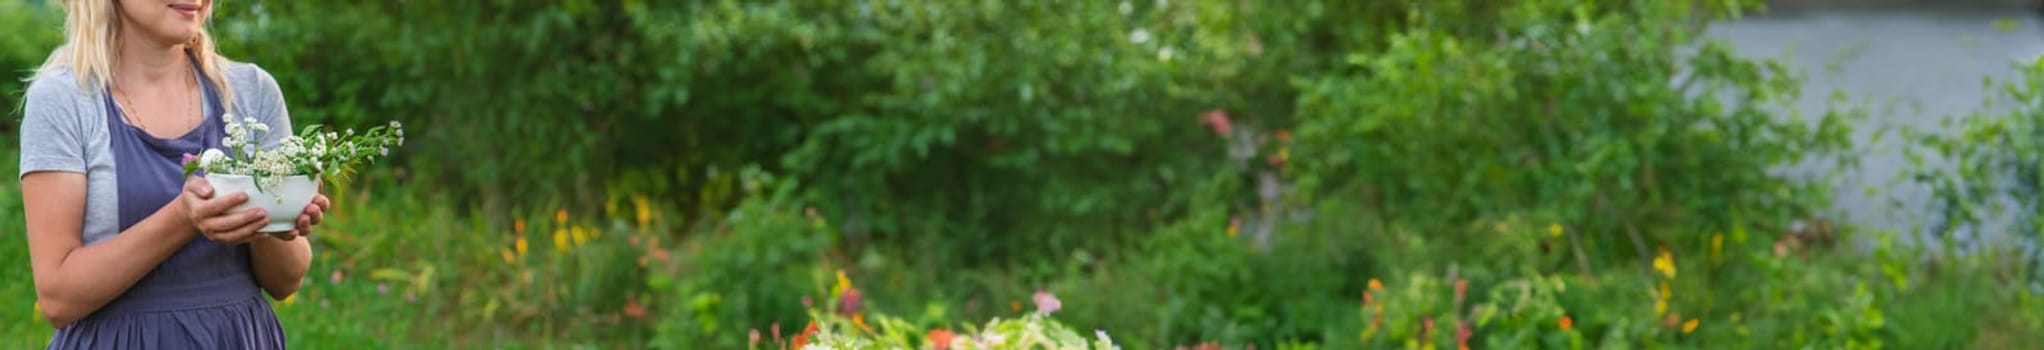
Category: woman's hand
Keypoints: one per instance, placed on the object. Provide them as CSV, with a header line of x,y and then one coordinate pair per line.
x,y
209,213
313,215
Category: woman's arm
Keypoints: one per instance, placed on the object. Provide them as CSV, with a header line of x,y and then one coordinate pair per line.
x,y
279,264
73,280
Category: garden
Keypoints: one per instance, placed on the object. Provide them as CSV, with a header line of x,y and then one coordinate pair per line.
x,y
1200,174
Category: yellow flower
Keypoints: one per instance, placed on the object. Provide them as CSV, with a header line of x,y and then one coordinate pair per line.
x,y
843,283
1376,285
644,211
1661,300
1554,229
578,235
38,306
1717,244
1234,227
560,240
289,299
1665,263
520,245
1689,326
510,257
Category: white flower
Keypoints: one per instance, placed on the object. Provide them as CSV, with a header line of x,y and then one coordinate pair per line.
x,y
1139,36
211,157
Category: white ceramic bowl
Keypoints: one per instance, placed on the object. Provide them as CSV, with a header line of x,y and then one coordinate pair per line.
x,y
284,202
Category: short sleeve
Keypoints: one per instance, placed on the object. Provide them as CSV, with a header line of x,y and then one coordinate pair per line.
x,y
51,137
266,102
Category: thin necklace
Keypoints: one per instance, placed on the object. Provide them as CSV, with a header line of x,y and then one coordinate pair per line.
x,y
129,113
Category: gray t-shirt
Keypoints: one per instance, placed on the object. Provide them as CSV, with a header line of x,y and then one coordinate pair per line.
x,y
65,128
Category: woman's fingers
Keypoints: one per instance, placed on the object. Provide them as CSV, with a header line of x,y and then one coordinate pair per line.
x,y
217,206
314,214
220,228
198,187
305,222
286,236
323,204
242,234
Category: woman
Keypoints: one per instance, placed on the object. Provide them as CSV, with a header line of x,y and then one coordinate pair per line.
x,y
126,252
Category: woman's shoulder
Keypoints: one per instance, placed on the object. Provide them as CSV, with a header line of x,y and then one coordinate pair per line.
x,y
249,79
53,86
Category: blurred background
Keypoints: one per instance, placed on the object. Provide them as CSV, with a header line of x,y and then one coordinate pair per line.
x,y
1300,174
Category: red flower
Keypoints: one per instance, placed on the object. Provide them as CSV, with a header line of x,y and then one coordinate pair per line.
x,y
1462,335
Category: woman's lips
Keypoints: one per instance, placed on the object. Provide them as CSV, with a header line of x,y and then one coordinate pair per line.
x,y
189,10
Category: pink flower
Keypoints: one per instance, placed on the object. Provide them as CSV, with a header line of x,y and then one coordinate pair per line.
x,y
1045,302
1218,121
850,303
188,158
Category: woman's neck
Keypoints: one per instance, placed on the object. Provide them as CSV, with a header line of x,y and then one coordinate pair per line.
x,y
150,63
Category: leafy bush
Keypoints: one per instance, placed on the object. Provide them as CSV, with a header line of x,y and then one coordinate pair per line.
x,y
34,29
1313,174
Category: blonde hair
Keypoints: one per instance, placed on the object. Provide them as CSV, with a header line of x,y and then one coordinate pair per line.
x,y
92,41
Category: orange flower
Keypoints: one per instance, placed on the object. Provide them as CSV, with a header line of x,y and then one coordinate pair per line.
x,y
518,225
636,311
1461,289
939,338
1567,323
561,215
1376,285
803,339
1689,326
